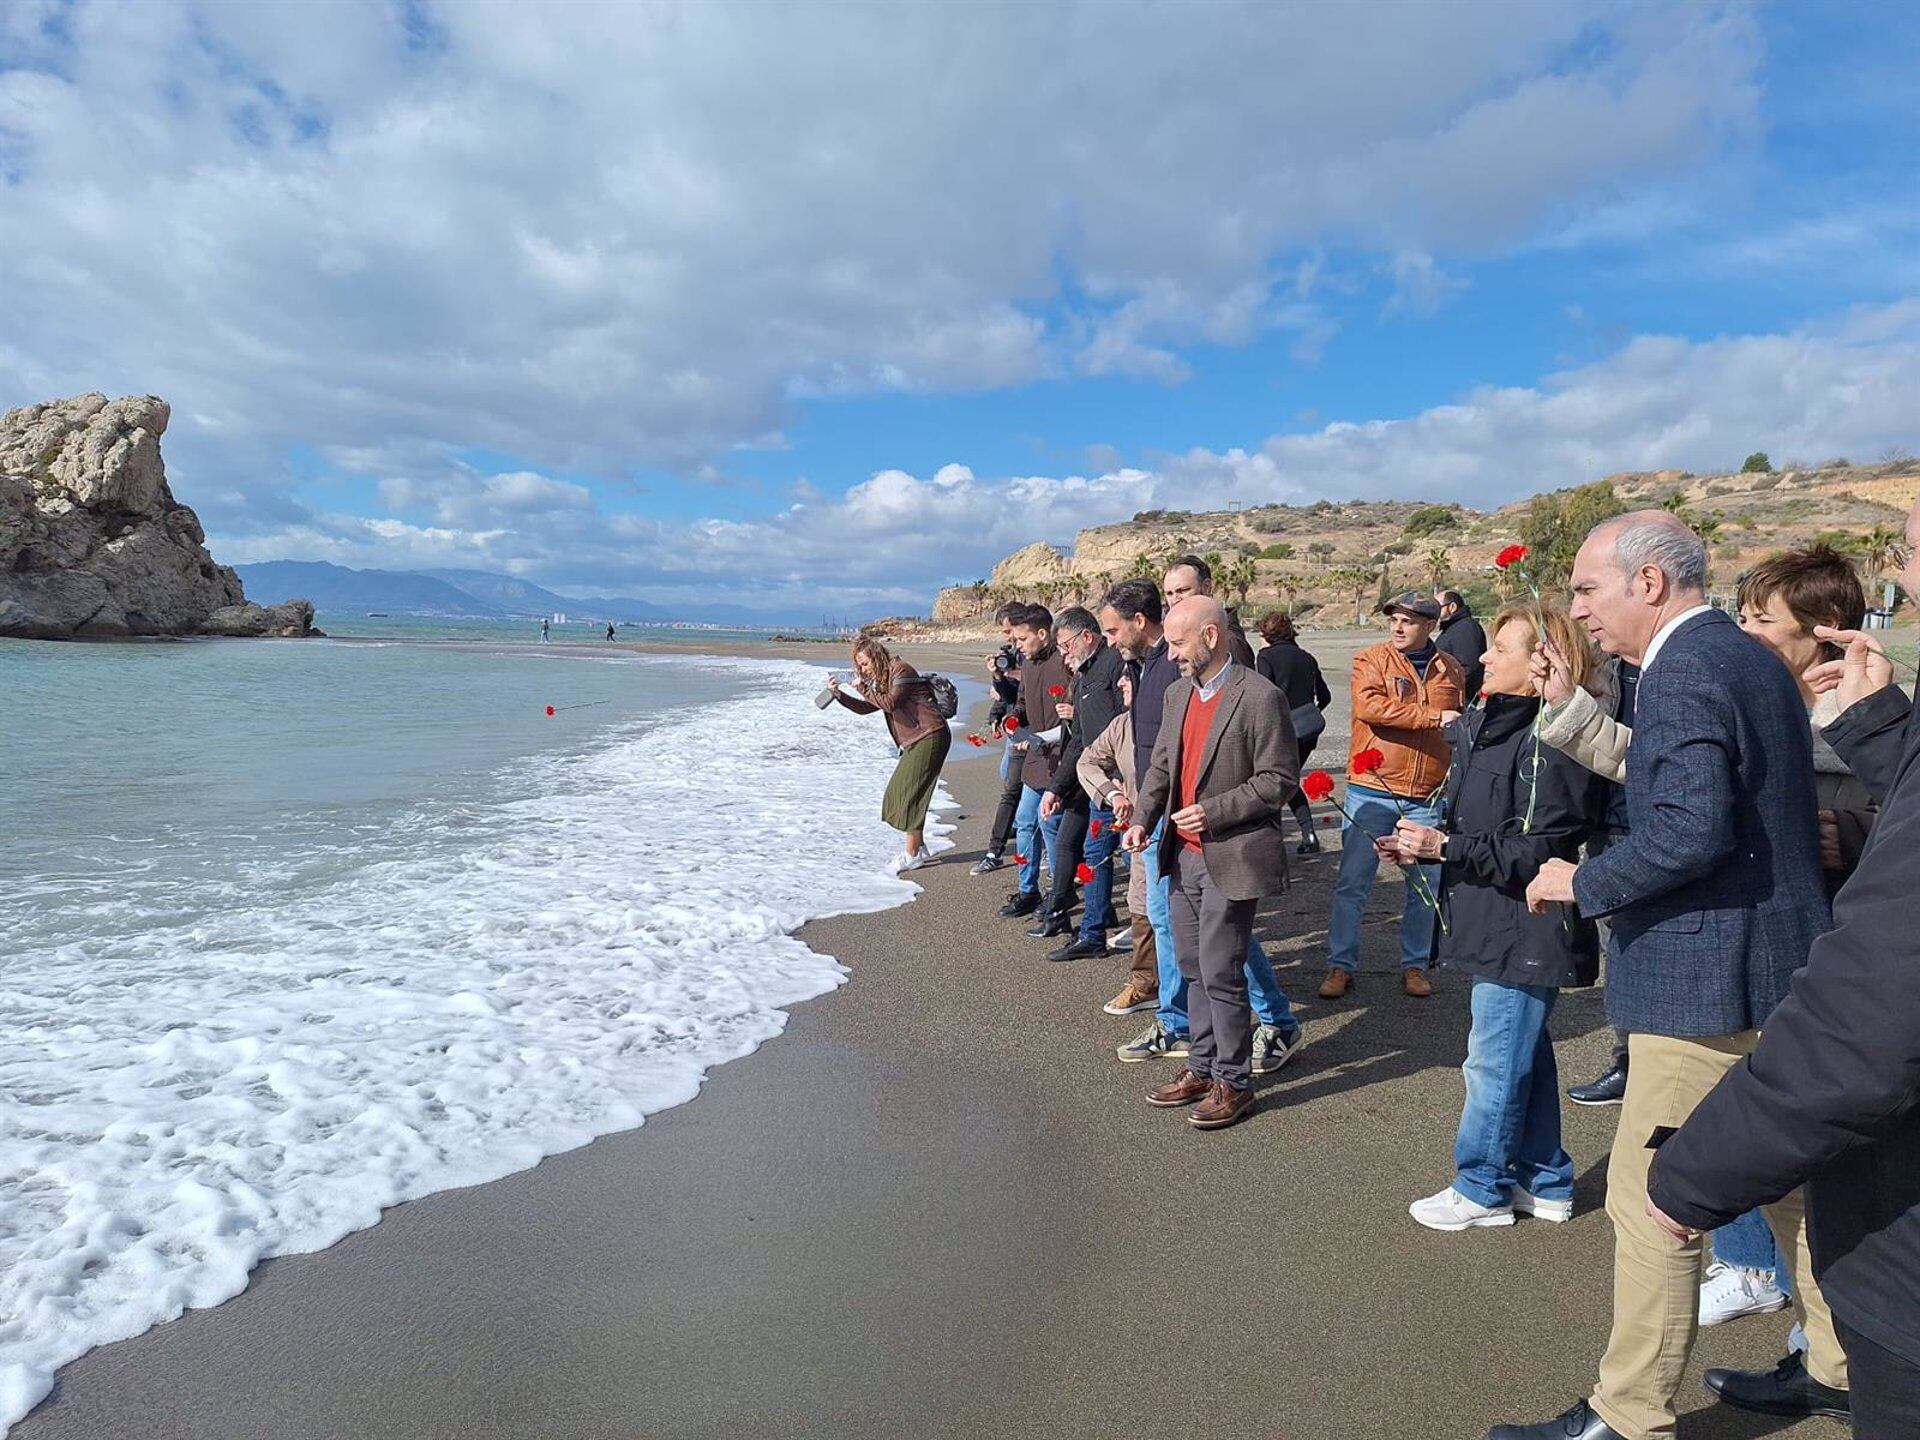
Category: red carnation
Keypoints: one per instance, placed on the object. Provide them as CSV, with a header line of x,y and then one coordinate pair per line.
x,y
975,740
1083,872
1318,785
1018,858
1056,691
1510,556
549,710
1094,829
1365,762
1013,723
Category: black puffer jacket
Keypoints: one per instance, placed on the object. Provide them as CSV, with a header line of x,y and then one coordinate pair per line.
x,y
1492,851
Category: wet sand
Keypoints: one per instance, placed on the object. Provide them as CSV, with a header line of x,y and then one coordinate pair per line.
x,y
937,1206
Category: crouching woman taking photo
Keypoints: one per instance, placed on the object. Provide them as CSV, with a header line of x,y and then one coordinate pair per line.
x,y
1512,804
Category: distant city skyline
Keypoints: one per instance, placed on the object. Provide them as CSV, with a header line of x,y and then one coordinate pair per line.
x,y
815,309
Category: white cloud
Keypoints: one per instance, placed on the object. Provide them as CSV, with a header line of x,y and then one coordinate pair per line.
x,y
1843,386
600,237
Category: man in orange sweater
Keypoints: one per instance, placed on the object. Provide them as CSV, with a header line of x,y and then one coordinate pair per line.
x,y
1405,693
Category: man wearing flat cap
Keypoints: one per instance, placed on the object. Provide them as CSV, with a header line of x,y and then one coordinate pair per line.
x,y
1405,693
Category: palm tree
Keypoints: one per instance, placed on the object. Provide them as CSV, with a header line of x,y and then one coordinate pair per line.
x,y
1322,550
1878,545
1144,567
1439,563
1355,580
1287,585
1237,576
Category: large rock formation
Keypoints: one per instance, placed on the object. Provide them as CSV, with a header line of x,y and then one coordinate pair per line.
x,y
92,542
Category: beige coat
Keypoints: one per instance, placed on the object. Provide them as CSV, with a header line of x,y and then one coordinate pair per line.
x,y
1581,729
1107,760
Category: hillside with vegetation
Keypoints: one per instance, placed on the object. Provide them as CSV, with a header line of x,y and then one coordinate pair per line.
x,y
1330,563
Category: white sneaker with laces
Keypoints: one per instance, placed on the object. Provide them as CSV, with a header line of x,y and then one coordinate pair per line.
x,y
904,862
1527,1203
1730,1292
1450,1210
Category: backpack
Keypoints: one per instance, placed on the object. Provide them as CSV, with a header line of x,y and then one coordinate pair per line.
x,y
946,699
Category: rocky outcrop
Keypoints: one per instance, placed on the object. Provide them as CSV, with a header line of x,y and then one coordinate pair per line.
x,y
92,542
1029,565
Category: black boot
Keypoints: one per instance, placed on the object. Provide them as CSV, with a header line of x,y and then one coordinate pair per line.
x,y
1024,903
1787,1389
1052,923
1079,950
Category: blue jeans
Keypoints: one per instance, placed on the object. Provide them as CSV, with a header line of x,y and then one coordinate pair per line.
x,y
1097,898
1747,1241
1377,813
1269,1001
1010,760
1028,840
1510,1129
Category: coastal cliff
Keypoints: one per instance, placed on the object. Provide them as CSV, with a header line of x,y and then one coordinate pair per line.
x,y
92,543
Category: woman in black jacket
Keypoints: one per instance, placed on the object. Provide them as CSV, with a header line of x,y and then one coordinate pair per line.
x,y
1297,674
1512,804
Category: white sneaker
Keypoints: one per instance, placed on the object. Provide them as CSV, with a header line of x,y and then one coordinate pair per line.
x,y
1527,1203
904,862
1796,1340
1729,1292
1450,1210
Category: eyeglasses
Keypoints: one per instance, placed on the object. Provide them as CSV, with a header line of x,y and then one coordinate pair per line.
x,y
1900,555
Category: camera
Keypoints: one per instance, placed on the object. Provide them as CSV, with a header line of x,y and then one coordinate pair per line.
x,y
1006,660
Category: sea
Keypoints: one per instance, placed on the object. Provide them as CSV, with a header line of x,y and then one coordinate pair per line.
x,y
293,931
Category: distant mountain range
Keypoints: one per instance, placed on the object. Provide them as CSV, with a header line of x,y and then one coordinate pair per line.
x,y
479,594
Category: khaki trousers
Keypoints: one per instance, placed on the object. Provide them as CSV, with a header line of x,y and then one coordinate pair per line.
x,y
1656,1283
1144,971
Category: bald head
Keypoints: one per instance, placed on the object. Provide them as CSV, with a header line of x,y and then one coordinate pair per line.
x,y
1196,636
1634,573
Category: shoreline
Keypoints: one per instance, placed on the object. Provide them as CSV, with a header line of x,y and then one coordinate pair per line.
x,y
936,1205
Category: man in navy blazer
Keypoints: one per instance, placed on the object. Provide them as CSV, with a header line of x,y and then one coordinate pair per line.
x,y
1714,897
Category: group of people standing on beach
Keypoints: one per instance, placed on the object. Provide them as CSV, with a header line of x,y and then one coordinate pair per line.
x,y
1719,804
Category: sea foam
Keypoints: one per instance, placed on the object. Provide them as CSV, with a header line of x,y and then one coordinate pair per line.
x,y
480,986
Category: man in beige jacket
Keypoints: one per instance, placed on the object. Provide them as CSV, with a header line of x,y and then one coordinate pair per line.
x,y
1106,773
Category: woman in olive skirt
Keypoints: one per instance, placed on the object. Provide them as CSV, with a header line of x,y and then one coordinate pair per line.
x,y
895,688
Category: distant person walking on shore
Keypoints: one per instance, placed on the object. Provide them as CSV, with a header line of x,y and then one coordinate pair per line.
x,y
545,627
1405,693
609,630
1298,676
1223,768
895,688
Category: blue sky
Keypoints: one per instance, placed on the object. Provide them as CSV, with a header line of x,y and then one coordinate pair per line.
x,y
825,306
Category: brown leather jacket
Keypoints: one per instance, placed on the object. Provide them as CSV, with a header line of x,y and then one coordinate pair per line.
x,y
1398,714
909,709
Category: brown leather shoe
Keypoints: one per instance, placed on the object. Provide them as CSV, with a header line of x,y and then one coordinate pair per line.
x,y
1222,1107
1185,1088
1336,984
1416,984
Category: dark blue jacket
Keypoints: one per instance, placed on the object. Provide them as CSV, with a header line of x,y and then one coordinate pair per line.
x,y
1830,1097
1156,672
1716,894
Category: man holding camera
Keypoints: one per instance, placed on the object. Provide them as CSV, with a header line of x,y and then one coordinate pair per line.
x,y
1003,674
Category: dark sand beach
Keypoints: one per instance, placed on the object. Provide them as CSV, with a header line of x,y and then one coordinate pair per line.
x,y
936,1206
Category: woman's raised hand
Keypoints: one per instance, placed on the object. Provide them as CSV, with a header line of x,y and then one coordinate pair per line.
x,y
1552,676
1864,670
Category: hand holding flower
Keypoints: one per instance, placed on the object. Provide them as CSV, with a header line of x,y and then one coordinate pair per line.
x,y
1134,839
1864,670
1552,676
1420,842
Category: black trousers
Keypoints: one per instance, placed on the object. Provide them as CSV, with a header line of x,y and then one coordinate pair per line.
x,y
1004,816
1301,806
1885,1388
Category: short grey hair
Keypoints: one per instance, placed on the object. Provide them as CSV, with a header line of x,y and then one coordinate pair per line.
x,y
1076,620
1654,537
